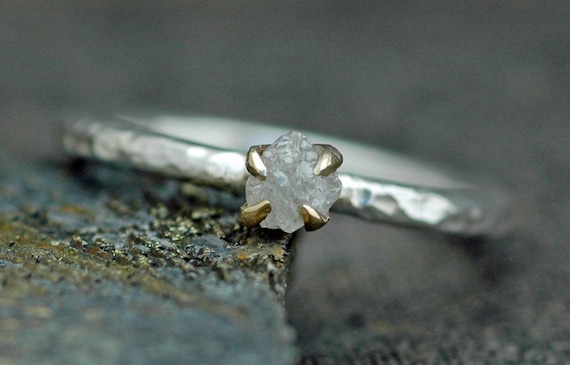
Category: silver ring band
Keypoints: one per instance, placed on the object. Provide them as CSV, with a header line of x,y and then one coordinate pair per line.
x,y
377,185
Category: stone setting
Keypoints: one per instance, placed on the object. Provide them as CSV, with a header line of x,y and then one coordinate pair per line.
x,y
289,182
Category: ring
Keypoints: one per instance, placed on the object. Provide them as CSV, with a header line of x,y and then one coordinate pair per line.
x,y
292,182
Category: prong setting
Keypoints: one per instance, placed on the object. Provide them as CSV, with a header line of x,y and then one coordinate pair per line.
x,y
254,163
297,194
329,161
312,218
252,215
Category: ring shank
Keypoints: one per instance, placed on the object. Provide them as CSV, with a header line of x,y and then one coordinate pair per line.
x,y
377,185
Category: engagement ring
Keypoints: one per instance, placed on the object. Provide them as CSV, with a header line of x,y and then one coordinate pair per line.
x,y
291,182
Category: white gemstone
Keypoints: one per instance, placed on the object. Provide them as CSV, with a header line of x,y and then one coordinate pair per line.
x,y
291,183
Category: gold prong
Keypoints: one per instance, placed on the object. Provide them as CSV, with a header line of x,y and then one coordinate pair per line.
x,y
313,220
251,216
254,163
329,160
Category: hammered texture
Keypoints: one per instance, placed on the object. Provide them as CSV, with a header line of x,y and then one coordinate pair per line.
x,y
462,210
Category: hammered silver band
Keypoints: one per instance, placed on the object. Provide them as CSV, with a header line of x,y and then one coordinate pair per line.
x,y
378,185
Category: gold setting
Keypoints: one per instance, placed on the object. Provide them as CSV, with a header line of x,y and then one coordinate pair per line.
x,y
312,218
254,163
329,161
251,216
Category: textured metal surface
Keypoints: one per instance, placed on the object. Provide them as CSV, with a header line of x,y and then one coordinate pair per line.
x,y
469,211
185,148
121,142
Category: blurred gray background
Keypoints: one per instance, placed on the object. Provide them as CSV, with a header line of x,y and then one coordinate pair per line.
x,y
477,85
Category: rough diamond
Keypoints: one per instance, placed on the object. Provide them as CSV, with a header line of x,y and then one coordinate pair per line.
x,y
291,182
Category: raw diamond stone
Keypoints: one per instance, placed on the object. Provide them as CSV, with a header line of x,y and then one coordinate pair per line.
x,y
291,182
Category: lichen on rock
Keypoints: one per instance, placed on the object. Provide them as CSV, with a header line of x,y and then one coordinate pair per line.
x,y
132,267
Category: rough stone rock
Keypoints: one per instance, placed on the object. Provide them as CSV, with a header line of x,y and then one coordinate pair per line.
x,y
291,182
102,266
